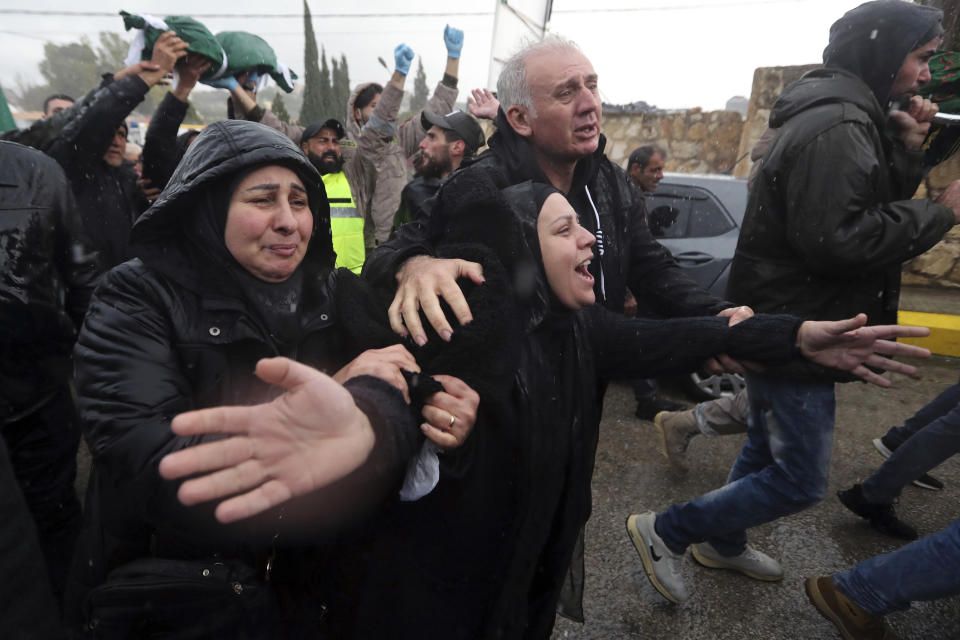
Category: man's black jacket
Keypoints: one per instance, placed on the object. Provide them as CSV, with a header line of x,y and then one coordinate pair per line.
x,y
49,269
108,197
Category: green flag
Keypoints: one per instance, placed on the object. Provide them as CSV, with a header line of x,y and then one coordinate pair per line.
x,y
6,118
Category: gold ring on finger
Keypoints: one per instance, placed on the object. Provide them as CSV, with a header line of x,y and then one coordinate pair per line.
x,y
453,421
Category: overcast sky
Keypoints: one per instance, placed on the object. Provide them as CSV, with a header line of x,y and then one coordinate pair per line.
x,y
671,53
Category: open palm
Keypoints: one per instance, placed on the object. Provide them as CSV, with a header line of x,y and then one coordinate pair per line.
x,y
305,439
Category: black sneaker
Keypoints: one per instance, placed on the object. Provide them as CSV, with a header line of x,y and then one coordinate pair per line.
x,y
885,446
649,407
881,516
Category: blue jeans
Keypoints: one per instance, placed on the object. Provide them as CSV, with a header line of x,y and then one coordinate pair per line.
x,y
923,570
783,468
936,408
928,438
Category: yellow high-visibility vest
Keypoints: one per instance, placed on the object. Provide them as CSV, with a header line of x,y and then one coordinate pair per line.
x,y
346,223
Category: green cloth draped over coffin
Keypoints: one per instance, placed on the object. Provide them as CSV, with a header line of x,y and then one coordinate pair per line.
x,y
198,37
246,51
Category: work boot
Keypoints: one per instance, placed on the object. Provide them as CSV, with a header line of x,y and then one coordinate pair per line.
x,y
661,564
881,516
750,562
650,406
675,429
850,619
885,447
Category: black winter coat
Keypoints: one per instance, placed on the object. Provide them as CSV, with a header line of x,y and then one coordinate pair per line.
x,y
830,220
49,271
108,197
160,341
161,153
629,255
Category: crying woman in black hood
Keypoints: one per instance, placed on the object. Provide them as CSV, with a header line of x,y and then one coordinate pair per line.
x,y
235,265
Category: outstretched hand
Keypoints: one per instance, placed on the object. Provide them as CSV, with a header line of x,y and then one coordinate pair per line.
x,y
305,439
483,104
848,345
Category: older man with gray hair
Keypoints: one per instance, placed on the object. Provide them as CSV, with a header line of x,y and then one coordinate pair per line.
x,y
548,131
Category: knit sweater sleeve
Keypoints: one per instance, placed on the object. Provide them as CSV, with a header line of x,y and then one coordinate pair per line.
x,y
628,348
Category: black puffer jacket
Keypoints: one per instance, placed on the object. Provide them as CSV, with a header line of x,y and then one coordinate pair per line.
x,y
631,257
108,197
830,219
520,499
49,271
160,341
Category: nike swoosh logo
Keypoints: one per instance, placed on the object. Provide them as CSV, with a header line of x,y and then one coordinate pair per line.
x,y
653,554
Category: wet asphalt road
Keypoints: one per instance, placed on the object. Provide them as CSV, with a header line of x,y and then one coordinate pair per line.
x,y
631,477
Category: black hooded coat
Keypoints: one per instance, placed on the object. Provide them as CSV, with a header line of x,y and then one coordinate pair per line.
x,y
829,220
485,554
181,328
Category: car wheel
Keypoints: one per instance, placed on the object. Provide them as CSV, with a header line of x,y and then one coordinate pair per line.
x,y
711,387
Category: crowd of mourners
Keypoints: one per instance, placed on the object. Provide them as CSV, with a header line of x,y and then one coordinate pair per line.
x,y
323,401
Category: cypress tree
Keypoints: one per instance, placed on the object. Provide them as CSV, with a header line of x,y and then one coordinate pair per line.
x,y
280,109
420,89
342,87
326,87
312,108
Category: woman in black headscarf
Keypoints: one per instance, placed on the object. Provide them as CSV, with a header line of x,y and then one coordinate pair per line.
x,y
235,265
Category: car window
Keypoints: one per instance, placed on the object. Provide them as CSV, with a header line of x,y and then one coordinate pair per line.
x,y
678,211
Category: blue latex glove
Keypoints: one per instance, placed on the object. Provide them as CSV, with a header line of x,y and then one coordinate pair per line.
x,y
403,56
226,82
253,78
453,38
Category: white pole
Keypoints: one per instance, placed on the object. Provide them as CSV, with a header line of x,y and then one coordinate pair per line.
x,y
515,22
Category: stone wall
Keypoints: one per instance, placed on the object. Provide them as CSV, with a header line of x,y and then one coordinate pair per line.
x,y
695,141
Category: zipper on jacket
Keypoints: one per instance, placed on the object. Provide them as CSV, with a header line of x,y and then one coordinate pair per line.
x,y
599,236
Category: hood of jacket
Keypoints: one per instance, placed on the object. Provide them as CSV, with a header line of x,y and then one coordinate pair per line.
x,y
825,86
354,127
873,40
222,150
515,154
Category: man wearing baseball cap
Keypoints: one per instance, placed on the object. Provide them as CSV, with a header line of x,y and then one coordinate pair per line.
x,y
450,138
344,182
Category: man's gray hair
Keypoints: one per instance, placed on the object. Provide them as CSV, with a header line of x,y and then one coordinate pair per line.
x,y
512,85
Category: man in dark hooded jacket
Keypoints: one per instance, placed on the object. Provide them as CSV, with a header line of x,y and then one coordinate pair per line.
x,y
829,222
48,272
